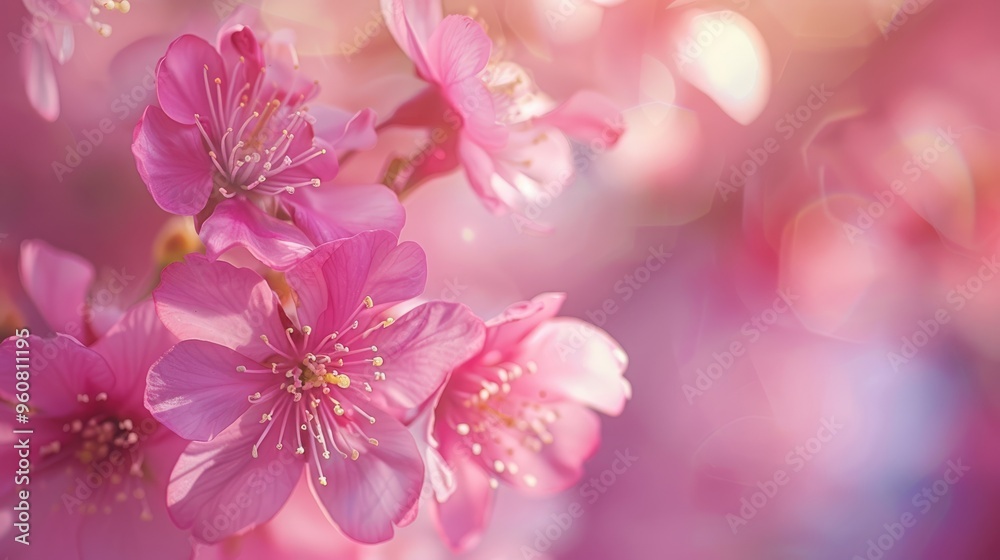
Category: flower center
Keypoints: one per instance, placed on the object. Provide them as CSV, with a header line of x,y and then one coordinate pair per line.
x,y
495,420
325,382
250,135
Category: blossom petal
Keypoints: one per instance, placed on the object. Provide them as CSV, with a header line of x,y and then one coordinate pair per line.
x,y
172,162
419,350
458,49
57,282
463,517
576,361
132,345
340,211
587,116
411,23
40,79
344,131
238,223
332,282
221,480
183,78
131,526
480,170
196,391
367,497
217,302
518,320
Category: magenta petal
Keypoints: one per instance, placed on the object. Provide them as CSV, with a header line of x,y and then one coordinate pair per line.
x,y
345,271
419,351
219,303
240,50
340,211
238,223
518,320
196,391
182,81
58,383
589,372
172,162
367,497
587,116
57,283
221,480
463,517
132,345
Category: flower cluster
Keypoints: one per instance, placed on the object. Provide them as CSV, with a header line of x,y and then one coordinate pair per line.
x,y
296,344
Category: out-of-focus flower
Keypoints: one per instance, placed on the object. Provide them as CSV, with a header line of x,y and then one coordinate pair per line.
x,y
264,393
519,412
233,142
486,113
100,462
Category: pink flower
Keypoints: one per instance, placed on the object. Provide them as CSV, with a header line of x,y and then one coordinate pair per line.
x,y
51,39
518,412
234,144
60,284
510,139
265,393
99,461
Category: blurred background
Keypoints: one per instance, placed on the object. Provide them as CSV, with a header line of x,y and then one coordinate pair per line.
x,y
795,242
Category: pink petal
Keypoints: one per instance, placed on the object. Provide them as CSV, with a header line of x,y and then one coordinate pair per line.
x,y
480,170
196,391
181,83
508,329
335,278
219,303
172,162
131,526
419,351
220,480
339,211
367,497
344,131
238,223
471,99
576,361
236,43
411,23
59,382
463,518
131,346
458,49
40,79
57,282
587,116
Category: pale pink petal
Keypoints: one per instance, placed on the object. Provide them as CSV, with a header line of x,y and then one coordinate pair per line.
x,y
334,279
366,498
458,49
339,211
518,320
40,79
238,223
411,23
344,131
57,282
217,489
131,346
576,361
183,83
219,303
587,116
480,170
197,392
463,518
419,350
59,384
172,162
